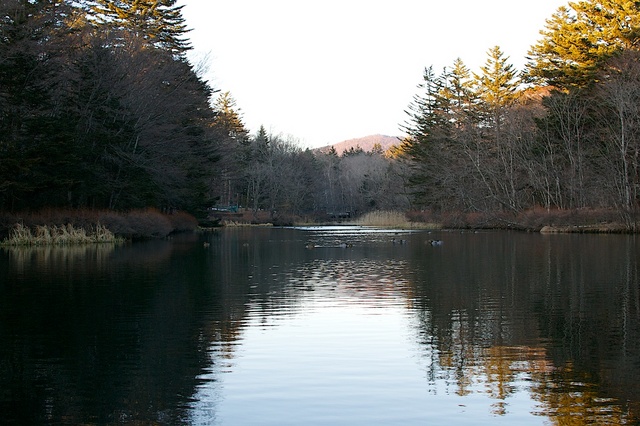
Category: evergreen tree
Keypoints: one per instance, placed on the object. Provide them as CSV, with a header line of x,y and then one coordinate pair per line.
x,y
158,22
579,39
428,146
428,111
234,150
87,121
37,153
493,155
497,86
228,120
459,91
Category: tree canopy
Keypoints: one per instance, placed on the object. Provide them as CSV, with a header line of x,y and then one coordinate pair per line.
x,y
578,39
158,22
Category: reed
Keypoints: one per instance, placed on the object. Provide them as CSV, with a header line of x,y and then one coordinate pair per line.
x,y
392,218
42,235
98,225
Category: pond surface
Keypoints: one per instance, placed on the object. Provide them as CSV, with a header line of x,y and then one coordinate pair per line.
x,y
256,329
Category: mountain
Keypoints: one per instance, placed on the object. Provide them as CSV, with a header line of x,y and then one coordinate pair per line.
x,y
366,143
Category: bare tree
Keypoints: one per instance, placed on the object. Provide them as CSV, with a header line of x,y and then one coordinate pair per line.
x,y
620,119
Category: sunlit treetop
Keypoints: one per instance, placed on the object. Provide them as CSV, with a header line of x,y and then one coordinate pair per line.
x,y
579,38
158,22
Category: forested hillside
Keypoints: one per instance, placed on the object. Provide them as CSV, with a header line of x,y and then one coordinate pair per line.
x,y
365,143
100,109
564,134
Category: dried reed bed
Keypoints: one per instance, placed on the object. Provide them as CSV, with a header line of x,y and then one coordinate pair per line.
x,y
62,226
393,219
21,235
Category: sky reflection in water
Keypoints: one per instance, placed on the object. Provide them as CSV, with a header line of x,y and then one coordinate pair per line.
x,y
341,341
489,328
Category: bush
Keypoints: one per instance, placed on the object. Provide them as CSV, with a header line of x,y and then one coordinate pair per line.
x,y
182,222
147,223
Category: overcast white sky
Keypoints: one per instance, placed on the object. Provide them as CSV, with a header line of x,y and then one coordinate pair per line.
x,y
331,70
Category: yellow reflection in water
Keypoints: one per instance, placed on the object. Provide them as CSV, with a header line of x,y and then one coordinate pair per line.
x,y
69,256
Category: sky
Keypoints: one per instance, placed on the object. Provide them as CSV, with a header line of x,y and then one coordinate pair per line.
x,y
320,72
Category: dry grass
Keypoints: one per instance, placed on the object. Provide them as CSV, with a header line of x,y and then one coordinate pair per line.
x,y
101,225
394,219
41,235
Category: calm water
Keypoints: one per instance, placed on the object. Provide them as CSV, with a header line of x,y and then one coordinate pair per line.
x,y
255,329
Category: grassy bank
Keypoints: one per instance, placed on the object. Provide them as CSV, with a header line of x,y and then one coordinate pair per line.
x,y
90,226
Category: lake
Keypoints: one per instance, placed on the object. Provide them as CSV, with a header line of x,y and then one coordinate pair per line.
x,y
247,326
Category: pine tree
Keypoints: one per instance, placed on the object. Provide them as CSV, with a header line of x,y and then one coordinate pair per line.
x,y
460,93
497,86
158,22
429,109
428,146
579,39
228,119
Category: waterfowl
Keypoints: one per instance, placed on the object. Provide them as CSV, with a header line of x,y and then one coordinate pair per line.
x,y
435,242
345,245
206,244
400,241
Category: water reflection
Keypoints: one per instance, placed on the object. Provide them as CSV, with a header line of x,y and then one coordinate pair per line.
x,y
255,329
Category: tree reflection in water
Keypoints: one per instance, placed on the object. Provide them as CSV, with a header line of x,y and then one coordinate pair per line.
x,y
148,332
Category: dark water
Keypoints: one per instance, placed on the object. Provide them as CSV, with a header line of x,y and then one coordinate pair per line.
x,y
488,328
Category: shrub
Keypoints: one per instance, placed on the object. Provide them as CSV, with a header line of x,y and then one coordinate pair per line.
x,y
147,223
182,222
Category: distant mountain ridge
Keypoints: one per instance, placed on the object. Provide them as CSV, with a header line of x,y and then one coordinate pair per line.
x,y
366,143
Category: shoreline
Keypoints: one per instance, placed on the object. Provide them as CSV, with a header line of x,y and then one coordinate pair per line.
x,y
65,227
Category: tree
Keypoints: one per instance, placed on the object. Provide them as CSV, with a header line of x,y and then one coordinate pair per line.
x,y
256,170
158,22
96,118
233,146
569,132
497,86
579,39
461,95
429,129
619,98
36,137
329,197
228,120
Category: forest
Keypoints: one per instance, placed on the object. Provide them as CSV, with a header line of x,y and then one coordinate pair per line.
x,y
100,109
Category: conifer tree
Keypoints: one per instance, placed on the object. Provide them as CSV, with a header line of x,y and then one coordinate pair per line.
x,y
228,119
158,22
580,38
460,92
429,128
497,85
